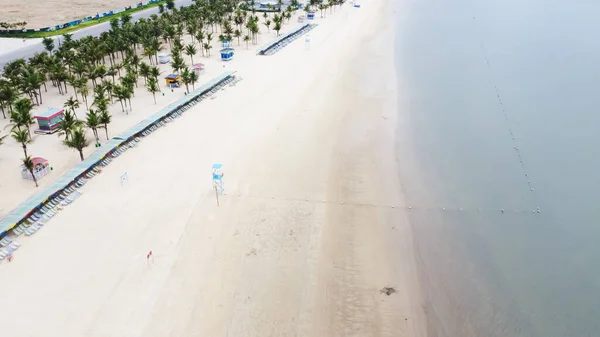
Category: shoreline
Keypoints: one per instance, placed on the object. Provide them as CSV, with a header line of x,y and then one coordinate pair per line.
x,y
273,258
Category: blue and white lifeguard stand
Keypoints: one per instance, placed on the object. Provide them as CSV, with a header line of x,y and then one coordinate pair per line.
x,y
226,54
310,15
217,178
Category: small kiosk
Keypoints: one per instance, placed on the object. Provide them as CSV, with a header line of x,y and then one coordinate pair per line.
x,y
310,15
226,54
173,80
198,68
41,167
226,44
49,120
164,58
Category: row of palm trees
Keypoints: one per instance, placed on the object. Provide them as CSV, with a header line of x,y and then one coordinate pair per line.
x,y
100,71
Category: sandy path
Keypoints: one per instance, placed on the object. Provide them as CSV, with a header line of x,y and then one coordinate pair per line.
x,y
301,243
39,14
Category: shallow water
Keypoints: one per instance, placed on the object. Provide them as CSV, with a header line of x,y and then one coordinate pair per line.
x,y
473,75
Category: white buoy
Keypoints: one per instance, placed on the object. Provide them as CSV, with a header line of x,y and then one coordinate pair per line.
x,y
443,209
502,210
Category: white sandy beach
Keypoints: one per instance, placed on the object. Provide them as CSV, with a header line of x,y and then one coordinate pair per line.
x,y
303,240
39,14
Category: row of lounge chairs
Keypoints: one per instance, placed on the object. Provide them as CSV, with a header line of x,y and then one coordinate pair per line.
x,y
37,220
48,210
277,46
7,247
178,112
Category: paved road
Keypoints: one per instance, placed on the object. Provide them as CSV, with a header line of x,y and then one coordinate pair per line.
x,y
30,50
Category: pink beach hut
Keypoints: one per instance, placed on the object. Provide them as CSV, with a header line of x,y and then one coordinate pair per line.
x,y
41,167
198,68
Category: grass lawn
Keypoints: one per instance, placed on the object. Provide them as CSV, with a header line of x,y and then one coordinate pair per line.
x,y
71,29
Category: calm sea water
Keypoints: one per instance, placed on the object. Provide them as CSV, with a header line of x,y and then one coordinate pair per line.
x,y
473,76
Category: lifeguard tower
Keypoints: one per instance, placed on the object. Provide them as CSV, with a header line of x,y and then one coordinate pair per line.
x,y
217,178
310,15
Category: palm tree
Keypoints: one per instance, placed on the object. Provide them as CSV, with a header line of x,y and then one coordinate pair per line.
x,y
207,47
178,64
93,122
23,109
105,119
267,23
277,27
84,90
155,73
170,4
194,78
255,30
200,39
68,39
31,81
48,44
28,163
144,71
77,140
21,136
186,78
8,95
152,86
125,18
74,82
237,33
190,50
68,123
120,93
246,39
72,104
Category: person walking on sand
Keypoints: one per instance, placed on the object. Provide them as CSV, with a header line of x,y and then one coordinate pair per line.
x,y
149,256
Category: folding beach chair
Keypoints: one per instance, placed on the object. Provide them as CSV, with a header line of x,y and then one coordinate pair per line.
x,y
5,241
